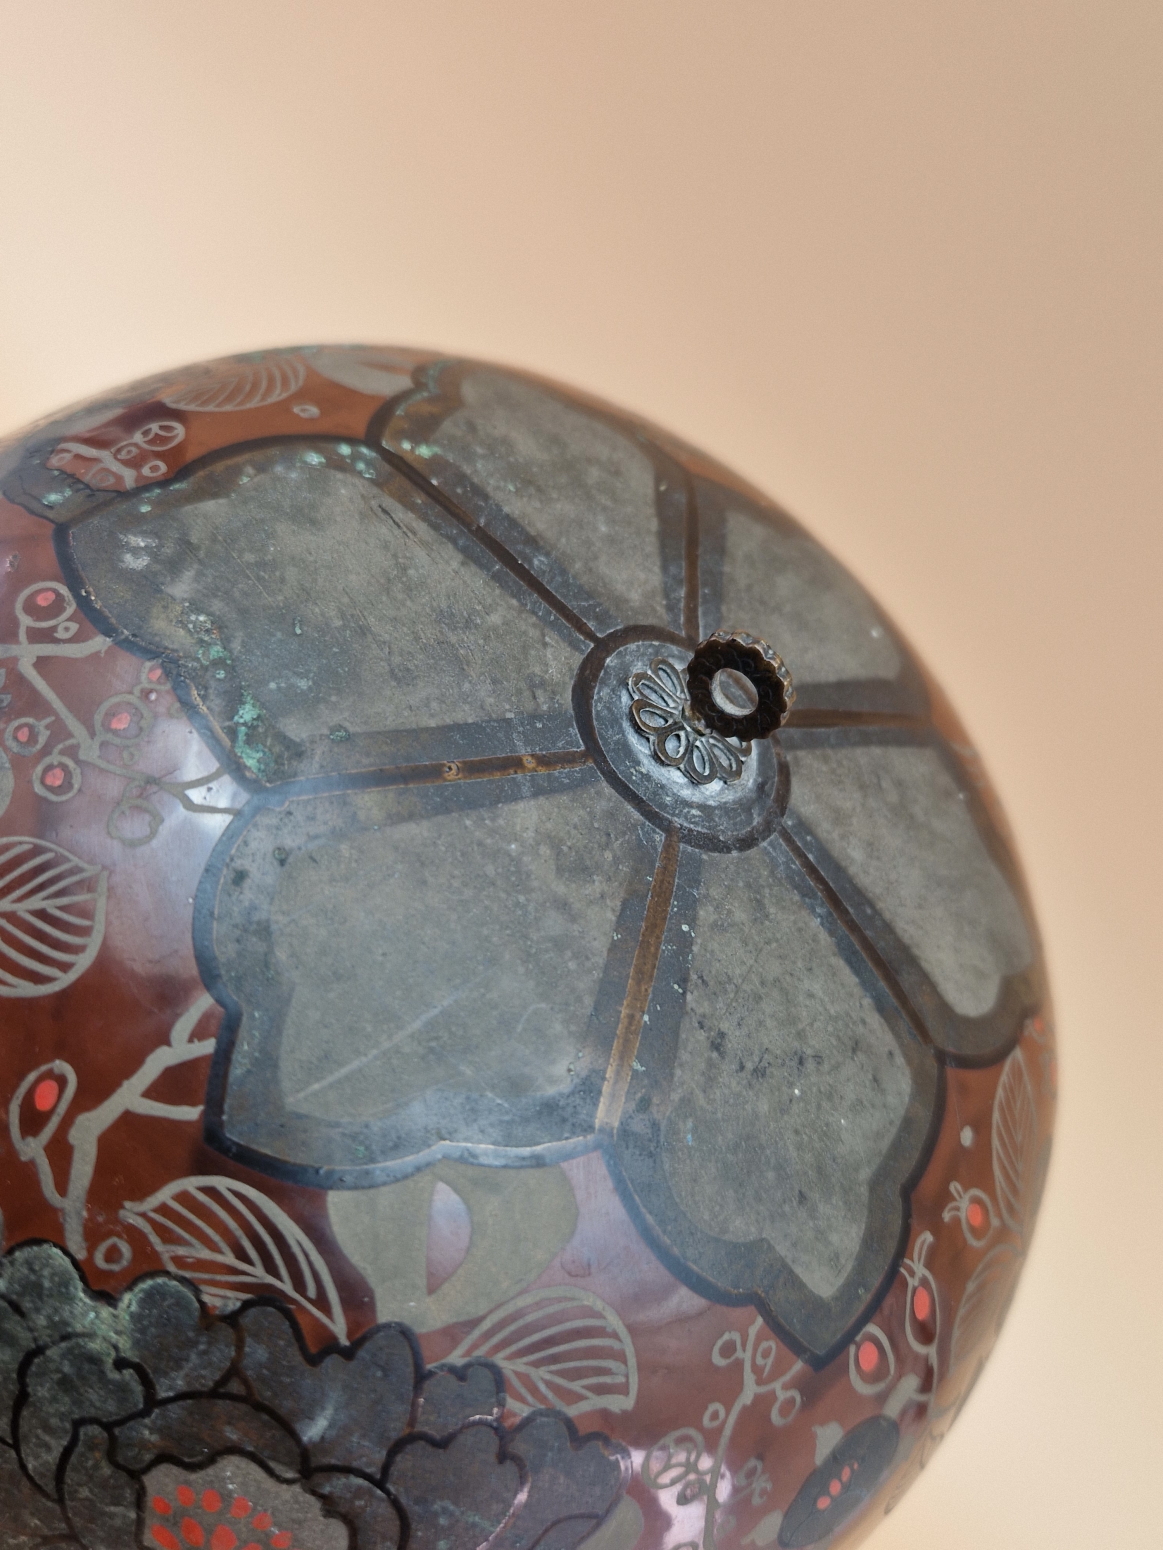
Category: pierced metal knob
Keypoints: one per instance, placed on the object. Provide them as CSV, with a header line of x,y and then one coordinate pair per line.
x,y
738,686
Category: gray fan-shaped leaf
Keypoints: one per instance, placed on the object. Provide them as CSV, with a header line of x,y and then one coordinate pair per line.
x,y
560,1347
233,1242
52,916
1015,1126
984,1303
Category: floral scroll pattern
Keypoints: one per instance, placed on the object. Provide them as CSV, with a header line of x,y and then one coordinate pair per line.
x,y
999,1226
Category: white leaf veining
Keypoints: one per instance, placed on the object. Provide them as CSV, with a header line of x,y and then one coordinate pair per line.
x,y
233,1243
561,1347
52,916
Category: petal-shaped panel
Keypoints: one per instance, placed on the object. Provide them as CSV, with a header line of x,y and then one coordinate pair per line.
x,y
311,639
894,828
782,1102
422,966
584,490
762,572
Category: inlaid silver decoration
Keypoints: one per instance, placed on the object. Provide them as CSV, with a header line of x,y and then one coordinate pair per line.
x,y
660,708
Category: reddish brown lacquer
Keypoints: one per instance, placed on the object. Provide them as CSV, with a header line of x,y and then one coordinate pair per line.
x,y
454,1094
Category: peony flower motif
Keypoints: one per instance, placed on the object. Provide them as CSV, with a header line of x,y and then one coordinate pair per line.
x,y
660,708
150,1421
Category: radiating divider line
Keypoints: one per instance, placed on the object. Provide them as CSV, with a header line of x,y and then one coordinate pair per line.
x,y
489,541
641,983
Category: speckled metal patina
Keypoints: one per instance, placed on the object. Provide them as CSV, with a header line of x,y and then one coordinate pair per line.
x,y
486,1060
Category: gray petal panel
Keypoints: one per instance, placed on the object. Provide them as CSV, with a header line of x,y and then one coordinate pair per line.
x,y
779,1104
457,954
899,823
788,1087
416,967
585,491
780,584
328,607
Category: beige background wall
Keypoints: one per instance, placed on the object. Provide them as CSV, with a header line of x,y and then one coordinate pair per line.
x,y
899,262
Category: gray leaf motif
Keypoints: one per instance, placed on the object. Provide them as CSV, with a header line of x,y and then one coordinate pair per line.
x,y
561,1347
226,386
1015,1125
984,1303
233,1243
52,916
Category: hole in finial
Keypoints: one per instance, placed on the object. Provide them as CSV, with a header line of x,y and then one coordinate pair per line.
x,y
733,692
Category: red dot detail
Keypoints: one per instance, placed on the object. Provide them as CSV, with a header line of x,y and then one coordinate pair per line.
x,y
822,1502
159,1504
119,722
845,1474
263,1521
162,1536
834,1487
54,777
193,1532
867,1356
974,1215
211,1501
186,1496
154,674
23,734
43,599
240,1507
282,1541
45,1095
922,1303
223,1538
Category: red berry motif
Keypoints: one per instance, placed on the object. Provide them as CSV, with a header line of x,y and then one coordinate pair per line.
x,y
867,1357
45,1095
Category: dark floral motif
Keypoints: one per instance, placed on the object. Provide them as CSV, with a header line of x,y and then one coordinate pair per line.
x,y
149,1421
661,710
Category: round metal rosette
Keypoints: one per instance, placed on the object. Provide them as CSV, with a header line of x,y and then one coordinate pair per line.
x,y
451,985
634,711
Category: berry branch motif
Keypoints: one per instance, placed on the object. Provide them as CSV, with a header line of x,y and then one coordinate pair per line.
x,y
850,1466
682,1461
119,722
53,1086
1019,1169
